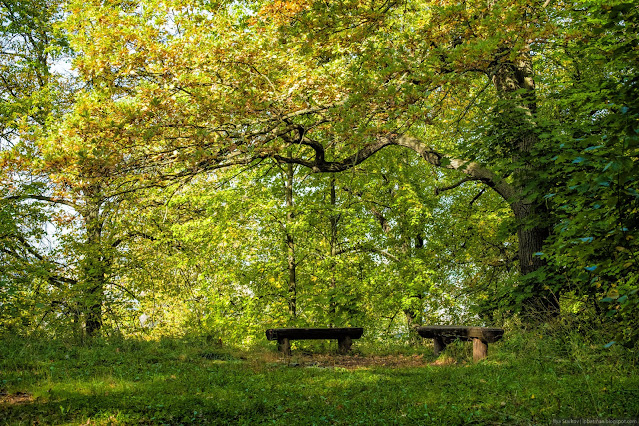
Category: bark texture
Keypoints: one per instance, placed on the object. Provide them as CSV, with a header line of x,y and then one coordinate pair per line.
x,y
514,83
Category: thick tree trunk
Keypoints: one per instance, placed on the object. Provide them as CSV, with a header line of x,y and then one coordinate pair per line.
x,y
93,312
531,241
93,284
542,303
515,86
95,267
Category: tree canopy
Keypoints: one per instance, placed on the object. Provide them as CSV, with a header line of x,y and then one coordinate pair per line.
x,y
223,165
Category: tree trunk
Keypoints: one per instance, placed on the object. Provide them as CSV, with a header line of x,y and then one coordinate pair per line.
x,y
515,86
334,219
290,244
94,273
414,317
93,312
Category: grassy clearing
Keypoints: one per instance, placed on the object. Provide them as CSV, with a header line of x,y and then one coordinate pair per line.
x,y
527,379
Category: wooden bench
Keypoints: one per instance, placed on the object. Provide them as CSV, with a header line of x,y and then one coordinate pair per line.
x,y
445,334
284,336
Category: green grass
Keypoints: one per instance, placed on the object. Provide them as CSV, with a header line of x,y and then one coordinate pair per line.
x,y
527,379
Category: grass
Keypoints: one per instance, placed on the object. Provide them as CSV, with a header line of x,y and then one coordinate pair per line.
x,y
529,378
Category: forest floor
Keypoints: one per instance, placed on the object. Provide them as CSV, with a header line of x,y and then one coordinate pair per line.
x,y
358,361
528,378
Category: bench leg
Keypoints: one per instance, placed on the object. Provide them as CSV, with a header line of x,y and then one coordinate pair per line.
x,y
344,344
284,346
439,345
480,349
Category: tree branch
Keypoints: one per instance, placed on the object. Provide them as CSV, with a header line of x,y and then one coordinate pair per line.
x,y
124,289
473,170
42,198
453,186
362,248
129,235
476,197
320,165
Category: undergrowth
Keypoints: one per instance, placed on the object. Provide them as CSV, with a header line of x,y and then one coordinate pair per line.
x,y
533,376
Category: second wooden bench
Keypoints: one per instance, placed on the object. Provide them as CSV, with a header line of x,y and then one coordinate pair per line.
x,y
284,336
445,334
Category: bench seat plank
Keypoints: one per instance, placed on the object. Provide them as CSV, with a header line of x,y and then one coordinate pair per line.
x,y
486,334
313,333
344,336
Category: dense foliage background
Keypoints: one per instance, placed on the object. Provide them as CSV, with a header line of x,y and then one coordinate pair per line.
x,y
178,167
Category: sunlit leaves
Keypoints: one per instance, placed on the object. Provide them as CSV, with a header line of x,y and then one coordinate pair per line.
x,y
594,151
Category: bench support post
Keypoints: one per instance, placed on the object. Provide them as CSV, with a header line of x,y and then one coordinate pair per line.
x,y
284,345
439,345
480,349
344,344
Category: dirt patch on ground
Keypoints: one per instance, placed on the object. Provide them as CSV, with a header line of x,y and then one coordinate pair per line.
x,y
353,362
18,398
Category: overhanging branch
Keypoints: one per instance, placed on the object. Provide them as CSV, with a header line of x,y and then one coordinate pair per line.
x,y
439,190
473,170
42,198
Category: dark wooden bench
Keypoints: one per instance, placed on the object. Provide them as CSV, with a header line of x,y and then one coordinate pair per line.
x,y
445,334
284,336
